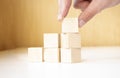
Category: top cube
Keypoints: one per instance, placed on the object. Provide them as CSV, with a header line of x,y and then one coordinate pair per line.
x,y
70,25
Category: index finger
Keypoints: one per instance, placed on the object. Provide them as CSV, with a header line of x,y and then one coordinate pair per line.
x,y
64,6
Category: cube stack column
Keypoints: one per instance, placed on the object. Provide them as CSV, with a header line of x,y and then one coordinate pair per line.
x,y
51,47
70,41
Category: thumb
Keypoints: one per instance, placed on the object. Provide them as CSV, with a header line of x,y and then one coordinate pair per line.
x,y
88,13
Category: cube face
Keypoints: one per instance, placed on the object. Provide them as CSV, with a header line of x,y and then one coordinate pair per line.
x,y
52,55
70,25
35,54
66,55
71,40
65,41
51,40
76,55
70,55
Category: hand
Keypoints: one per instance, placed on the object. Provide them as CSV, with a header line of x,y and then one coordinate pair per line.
x,y
89,8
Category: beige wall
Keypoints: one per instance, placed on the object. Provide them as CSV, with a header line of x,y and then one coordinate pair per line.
x,y
23,22
6,25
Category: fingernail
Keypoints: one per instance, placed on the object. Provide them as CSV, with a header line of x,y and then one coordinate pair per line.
x,y
81,23
60,17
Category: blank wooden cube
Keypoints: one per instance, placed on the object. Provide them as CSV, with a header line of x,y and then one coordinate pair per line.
x,y
51,40
52,55
70,25
35,54
70,40
70,55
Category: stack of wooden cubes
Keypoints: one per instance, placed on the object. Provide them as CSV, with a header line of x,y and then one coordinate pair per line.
x,y
70,41
51,47
65,47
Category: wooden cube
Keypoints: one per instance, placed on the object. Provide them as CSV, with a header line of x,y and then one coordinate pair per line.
x,y
70,40
35,54
70,25
52,55
70,55
51,40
